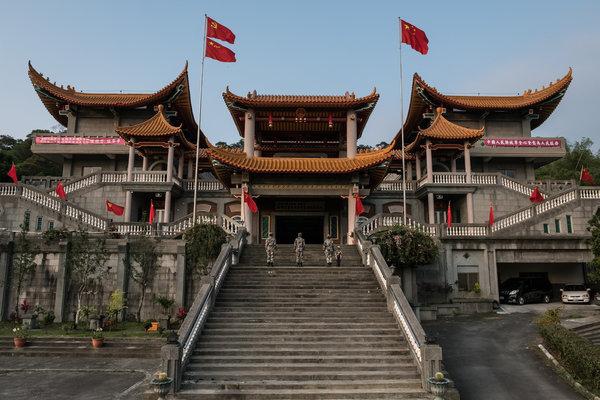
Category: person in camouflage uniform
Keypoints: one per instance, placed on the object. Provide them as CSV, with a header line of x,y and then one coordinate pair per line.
x,y
329,249
270,247
299,246
338,256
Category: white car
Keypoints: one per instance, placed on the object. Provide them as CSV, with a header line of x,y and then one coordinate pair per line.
x,y
575,294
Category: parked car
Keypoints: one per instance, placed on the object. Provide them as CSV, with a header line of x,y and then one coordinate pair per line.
x,y
575,294
526,290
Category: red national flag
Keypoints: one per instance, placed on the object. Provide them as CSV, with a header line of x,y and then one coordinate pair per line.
x,y
60,191
217,52
12,172
536,196
152,212
492,219
584,177
114,208
360,208
250,202
218,31
415,37
449,216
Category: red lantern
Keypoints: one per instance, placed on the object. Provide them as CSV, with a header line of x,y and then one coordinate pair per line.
x,y
330,120
270,120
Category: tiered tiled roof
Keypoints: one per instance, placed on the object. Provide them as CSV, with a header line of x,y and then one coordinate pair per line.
x,y
348,100
156,126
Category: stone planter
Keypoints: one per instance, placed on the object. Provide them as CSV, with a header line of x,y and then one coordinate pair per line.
x,y
30,321
161,387
19,342
94,323
97,343
164,322
438,387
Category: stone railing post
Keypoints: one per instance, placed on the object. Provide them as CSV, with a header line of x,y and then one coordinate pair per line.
x,y
61,284
180,276
171,358
6,255
431,363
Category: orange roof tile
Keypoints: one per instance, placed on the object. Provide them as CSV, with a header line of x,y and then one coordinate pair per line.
x,y
443,129
157,125
297,165
348,100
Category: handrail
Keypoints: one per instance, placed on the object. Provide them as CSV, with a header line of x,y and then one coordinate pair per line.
x,y
192,325
427,356
387,220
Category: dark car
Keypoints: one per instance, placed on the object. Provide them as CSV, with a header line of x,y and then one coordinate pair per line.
x,y
526,290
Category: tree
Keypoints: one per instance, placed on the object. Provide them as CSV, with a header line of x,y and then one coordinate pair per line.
x,y
143,266
579,154
23,263
403,246
86,263
203,245
593,270
18,151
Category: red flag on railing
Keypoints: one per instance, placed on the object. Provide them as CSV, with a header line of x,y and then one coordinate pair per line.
x,y
584,177
152,212
60,191
250,202
360,208
114,208
218,31
449,216
536,196
12,172
492,220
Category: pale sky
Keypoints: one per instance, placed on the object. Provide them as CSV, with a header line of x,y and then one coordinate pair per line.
x,y
303,47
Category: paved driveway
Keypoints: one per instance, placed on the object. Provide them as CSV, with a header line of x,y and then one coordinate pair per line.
x,y
494,357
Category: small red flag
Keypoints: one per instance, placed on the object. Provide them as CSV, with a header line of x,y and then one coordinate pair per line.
x,y
536,196
152,212
492,219
584,177
218,31
449,216
12,172
415,37
360,208
114,208
250,202
218,52
60,191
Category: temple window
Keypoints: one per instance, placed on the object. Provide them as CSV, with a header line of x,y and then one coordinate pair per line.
x,y
468,275
546,228
557,225
39,223
569,224
26,220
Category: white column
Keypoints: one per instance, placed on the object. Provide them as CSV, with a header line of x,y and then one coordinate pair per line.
x,y
470,208
167,213
351,212
467,153
127,216
453,164
409,171
249,126
170,157
351,134
190,170
430,208
418,165
429,161
144,163
129,193
180,166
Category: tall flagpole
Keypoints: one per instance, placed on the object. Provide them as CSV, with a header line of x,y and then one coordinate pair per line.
x,y
199,122
402,126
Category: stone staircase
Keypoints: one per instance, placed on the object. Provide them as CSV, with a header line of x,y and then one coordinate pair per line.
x,y
590,332
315,332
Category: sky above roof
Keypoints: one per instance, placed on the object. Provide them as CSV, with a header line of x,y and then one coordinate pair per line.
x,y
303,47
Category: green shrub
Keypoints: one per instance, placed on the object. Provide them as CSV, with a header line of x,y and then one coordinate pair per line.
x,y
577,355
403,246
202,246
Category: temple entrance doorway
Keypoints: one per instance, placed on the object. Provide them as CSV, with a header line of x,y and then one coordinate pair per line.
x,y
288,226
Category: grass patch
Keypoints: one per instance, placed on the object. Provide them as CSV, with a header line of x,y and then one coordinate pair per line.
x,y
123,330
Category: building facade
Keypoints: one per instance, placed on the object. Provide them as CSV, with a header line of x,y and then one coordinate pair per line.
x,y
300,163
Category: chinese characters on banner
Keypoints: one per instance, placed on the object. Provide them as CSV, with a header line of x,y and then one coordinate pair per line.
x,y
511,142
78,140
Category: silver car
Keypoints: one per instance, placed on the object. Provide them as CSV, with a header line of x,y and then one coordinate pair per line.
x,y
575,294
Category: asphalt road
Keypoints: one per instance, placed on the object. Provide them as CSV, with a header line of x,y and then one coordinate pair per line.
x,y
494,357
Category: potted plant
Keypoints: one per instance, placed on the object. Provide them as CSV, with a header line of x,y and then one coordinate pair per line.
x,y
29,319
438,385
97,338
166,304
19,337
161,383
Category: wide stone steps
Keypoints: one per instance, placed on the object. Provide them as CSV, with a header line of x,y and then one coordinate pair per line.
x,y
315,332
590,332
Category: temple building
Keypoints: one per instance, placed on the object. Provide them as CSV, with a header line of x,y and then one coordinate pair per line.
x,y
301,165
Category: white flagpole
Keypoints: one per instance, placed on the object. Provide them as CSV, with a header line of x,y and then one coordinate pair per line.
x,y
402,126
199,122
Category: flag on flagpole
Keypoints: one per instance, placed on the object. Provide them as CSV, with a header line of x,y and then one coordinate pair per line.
x,y
114,208
250,202
360,208
218,31
449,216
415,37
536,196
12,173
152,213
584,177
218,52
492,219
60,191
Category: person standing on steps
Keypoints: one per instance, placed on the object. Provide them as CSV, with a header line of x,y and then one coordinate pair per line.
x,y
299,245
329,249
270,247
338,256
